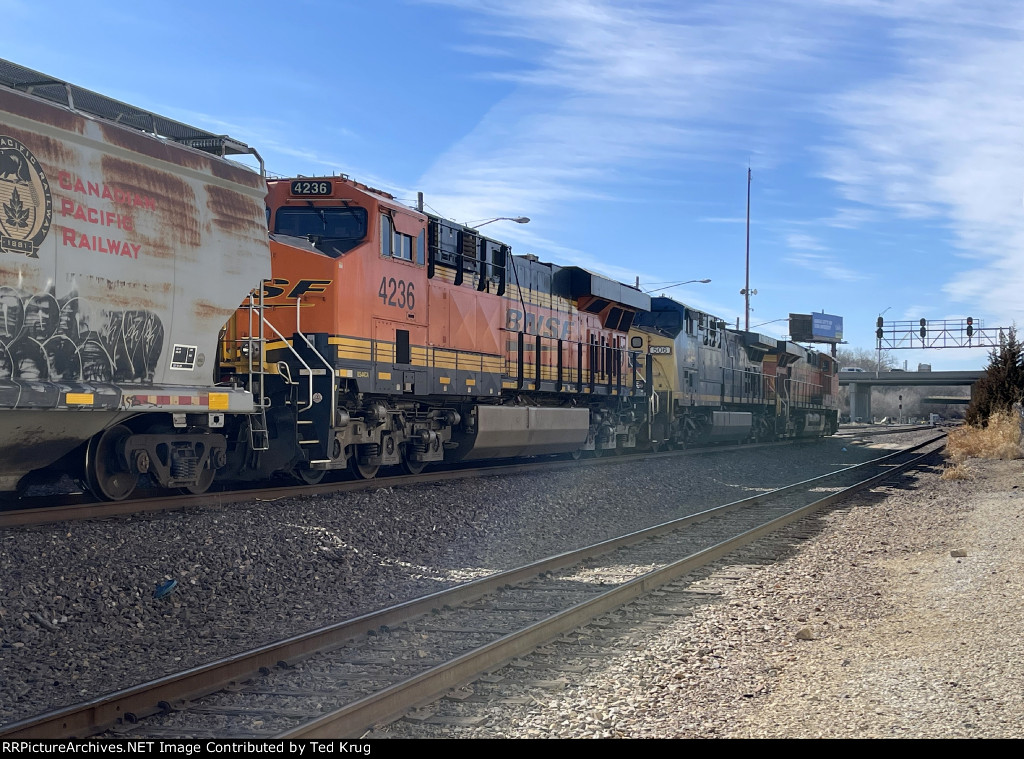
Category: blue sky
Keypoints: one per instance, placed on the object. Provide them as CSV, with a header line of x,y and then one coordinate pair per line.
x,y
886,139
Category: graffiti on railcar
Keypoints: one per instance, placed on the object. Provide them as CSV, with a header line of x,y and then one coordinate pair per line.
x,y
46,338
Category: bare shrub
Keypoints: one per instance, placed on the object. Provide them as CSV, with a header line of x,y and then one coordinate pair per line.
x,y
1000,439
958,471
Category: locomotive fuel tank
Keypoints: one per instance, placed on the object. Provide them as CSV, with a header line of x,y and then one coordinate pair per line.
x,y
122,255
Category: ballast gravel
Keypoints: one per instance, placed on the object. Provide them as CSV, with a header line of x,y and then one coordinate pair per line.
x,y
900,618
78,616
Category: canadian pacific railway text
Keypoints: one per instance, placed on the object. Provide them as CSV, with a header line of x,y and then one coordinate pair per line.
x,y
69,181
73,209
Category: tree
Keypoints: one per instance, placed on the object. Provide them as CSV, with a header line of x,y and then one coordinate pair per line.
x,y
1002,384
864,358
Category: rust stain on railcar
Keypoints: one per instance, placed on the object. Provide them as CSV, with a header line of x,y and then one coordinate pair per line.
x,y
238,174
182,155
127,294
49,152
233,212
174,202
205,310
147,145
38,110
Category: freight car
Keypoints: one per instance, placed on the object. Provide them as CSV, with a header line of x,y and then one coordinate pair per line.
x,y
126,242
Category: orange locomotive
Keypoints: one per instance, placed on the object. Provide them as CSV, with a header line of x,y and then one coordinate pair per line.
x,y
805,389
389,336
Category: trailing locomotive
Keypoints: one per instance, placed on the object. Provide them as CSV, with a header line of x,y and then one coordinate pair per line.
x,y
710,383
370,334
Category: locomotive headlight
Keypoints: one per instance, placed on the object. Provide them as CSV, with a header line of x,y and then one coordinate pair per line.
x,y
636,342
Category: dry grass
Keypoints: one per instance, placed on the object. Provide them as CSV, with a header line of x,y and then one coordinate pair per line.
x,y
958,471
1001,439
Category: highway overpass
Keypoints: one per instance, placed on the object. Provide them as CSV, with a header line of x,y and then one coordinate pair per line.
x,y
860,384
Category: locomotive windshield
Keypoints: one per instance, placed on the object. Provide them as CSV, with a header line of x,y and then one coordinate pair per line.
x,y
333,231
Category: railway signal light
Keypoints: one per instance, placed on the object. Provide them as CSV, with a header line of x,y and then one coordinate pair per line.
x,y
924,329
970,326
878,332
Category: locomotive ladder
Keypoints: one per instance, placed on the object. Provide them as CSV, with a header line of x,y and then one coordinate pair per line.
x,y
319,416
259,437
314,419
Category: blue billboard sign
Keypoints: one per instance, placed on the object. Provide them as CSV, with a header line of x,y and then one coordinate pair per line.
x,y
816,328
827,327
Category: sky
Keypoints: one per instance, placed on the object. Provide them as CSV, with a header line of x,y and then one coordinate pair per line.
x,y
885,139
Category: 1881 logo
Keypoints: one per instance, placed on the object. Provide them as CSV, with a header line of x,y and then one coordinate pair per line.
x,y
26,208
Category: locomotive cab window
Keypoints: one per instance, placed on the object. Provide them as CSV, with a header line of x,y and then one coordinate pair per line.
x,y
332,231
395,244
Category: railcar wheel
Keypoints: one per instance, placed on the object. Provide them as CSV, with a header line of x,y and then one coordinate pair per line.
x,y
413,467
365,471
202,484
105,474
577,454
309,476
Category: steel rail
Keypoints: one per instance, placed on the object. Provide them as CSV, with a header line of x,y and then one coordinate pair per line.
x,y
218,499
354,719
134,703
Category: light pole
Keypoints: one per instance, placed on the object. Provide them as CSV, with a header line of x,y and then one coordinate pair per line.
x,y
516,219
675,284
746,292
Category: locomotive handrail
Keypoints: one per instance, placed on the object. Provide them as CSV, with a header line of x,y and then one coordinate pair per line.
x,y
257,373
300,359
319,355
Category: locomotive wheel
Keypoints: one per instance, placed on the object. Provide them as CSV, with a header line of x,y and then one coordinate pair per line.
x,y
413,467
365,471
105,475
577,454
309,476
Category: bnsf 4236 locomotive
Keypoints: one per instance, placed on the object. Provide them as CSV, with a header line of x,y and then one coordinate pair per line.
x,y
395,337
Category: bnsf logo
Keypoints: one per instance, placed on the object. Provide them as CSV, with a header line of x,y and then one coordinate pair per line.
x,y
535,324
276,288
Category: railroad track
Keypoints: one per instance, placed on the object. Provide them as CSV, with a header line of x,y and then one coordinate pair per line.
x,y
872,431
81,506
341,680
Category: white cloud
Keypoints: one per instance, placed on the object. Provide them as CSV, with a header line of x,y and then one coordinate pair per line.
x,y
942,140
606,85
804,242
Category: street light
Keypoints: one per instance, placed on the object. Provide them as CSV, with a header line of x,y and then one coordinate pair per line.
x,y
678,284
516,219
